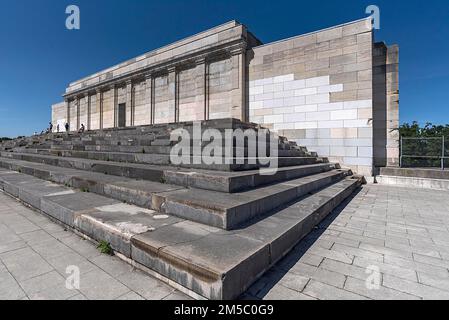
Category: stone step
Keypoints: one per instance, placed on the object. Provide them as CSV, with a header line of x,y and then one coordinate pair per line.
x,y
231,211
236,164
197,178
56,149
427,173
207,261
218,209
137,140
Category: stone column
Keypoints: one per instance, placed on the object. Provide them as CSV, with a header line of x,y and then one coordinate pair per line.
x,y
89,111
67,120
201,95
149,97
78,112
239,107
129,103
114,104
173,92
100,107
392,84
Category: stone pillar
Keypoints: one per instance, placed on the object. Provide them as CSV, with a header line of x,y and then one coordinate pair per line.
x,y
201,95
149,97
129,103
173,92
238,79
115,105
392,83
89,111
67,105
77,104
100,107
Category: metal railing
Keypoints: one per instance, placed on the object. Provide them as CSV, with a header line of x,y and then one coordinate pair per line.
x,y
424,152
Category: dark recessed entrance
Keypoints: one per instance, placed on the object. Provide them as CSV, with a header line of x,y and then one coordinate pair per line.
x,y
122,115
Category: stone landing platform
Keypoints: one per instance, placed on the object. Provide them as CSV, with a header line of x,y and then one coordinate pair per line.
x,y
423,178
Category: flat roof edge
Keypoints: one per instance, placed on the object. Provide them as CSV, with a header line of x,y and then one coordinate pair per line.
x,y
313,32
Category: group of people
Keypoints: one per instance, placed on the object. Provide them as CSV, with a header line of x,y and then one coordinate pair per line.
x,y
67,128
80,130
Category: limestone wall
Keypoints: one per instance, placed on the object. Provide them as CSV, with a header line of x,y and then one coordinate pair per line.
x,y
162,112
190,91
108,109
317,89
59,116
392,81
385,105
220,86
83,115
73,115
94,113
142,106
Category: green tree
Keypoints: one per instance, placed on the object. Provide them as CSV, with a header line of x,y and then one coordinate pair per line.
x,y
426,145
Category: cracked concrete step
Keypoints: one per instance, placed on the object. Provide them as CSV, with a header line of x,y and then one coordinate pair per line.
x,y
210,262
153,135
155,159
213,208
230,211
203,179
81,151
197,178
222,264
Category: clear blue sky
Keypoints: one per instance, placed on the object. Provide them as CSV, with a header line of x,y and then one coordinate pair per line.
x,y
39,56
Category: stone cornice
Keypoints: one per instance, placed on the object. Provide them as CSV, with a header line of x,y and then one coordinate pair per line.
x,y
228,49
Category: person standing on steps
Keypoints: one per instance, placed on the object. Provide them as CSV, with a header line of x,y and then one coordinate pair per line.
x,y
67,127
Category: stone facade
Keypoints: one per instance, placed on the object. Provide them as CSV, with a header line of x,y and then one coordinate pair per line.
x,y
334,91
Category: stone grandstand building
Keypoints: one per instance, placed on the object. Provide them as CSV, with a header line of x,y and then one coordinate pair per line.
x,y
334,91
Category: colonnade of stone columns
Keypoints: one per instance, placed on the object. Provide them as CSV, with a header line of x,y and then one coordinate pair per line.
x,y
238,94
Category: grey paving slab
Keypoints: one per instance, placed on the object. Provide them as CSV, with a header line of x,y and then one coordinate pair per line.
x,y
98,285
25,263
405,242
145,286
331,263
9,288
323,291
33,264
378,293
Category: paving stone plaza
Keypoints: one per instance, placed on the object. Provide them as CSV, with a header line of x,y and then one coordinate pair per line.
x,y
402,231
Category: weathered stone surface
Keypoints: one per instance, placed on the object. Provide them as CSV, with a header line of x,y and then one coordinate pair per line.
x,y
211,262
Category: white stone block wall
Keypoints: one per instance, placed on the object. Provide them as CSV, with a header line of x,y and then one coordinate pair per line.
x,y
317,90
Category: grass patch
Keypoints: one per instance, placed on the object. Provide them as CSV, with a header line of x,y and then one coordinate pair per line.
x,y
105,248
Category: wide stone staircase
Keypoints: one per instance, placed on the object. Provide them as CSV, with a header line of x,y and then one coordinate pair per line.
x,y
208,229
